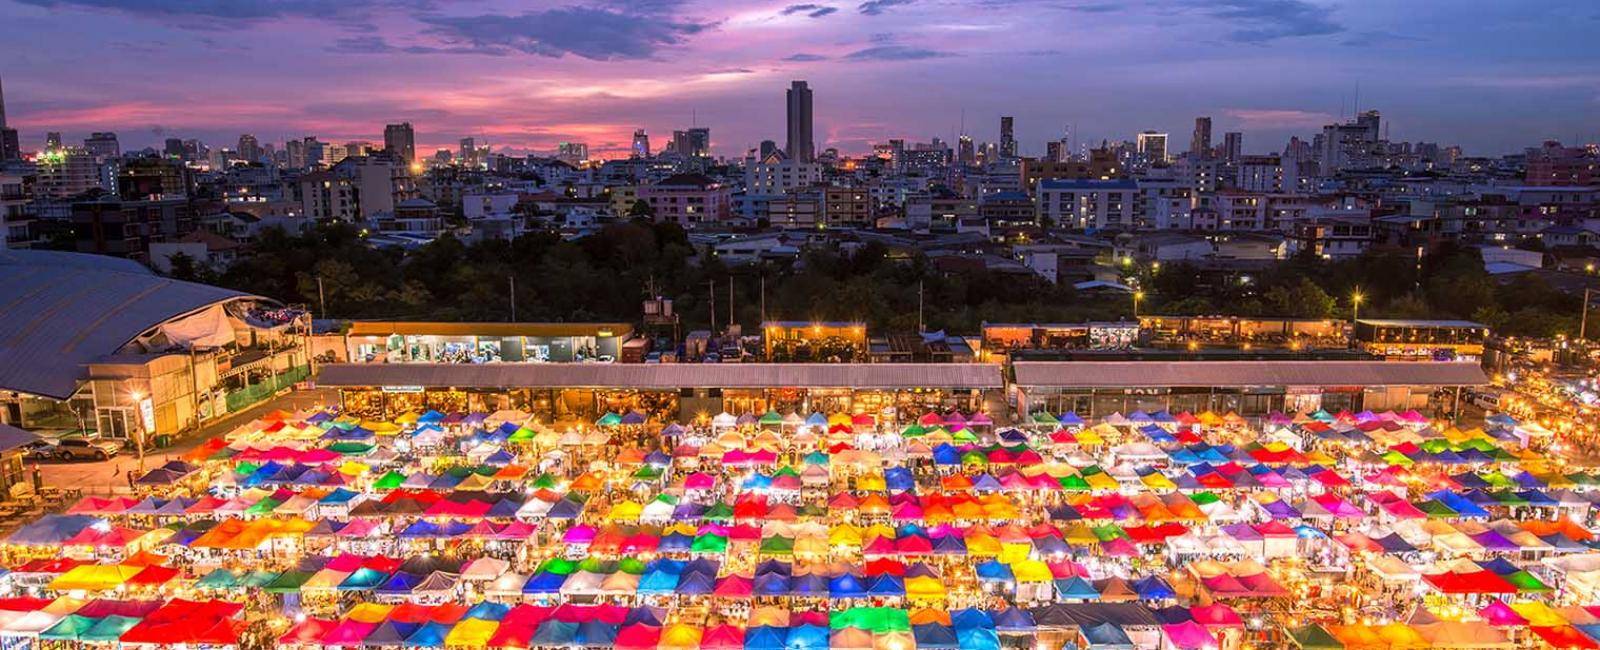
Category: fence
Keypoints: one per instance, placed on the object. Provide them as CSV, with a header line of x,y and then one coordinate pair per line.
x,y
245,397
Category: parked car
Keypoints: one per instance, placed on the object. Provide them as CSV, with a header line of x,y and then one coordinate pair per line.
x,y
40,450
87,448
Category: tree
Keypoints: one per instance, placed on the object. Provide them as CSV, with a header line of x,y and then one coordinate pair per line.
x,y
180,266
641,208
1302,299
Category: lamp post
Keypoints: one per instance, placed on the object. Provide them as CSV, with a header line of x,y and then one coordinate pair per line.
x,y
1355,314
1137,296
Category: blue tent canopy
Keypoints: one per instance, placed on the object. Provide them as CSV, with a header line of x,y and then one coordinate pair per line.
x,y
1014,619
846,585
429,635
555,633
806,637
978,638
887,585
1106,635
1076,588
597,634
401,583
1153,588
995,571
392,632
765,637
934,636
971,618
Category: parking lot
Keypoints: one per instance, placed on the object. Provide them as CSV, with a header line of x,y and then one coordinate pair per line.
x,y
111,476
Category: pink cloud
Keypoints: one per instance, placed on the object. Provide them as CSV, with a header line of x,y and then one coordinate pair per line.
x,y
1279,118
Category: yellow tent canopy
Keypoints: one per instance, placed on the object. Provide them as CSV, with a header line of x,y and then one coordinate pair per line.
x,y
94,577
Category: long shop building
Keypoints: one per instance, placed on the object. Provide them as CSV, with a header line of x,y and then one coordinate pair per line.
x,y
1246,387
677,392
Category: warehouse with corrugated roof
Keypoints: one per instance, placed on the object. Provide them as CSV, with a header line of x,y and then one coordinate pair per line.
x,y
98,343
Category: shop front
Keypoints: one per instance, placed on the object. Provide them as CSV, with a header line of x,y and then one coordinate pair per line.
x,y
467,343
584,392
1249,388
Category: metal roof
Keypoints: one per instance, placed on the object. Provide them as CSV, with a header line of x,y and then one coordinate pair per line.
x,y
59,311
665,376
1200,374
1394,322
12,437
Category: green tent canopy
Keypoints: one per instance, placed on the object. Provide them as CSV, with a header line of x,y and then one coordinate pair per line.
x,y
1314,637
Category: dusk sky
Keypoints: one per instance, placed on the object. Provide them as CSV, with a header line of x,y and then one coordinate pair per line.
x,y
1491,76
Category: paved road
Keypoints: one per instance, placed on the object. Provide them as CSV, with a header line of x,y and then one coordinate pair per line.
x,y
107,477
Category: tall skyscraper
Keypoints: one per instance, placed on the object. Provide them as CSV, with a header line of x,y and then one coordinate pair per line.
x,y
1200,142
102,145
10,144
799,145
401,141
641,144
1232,146
692,143
249,148
1008,137
52,140
1152,147
966,153
173,148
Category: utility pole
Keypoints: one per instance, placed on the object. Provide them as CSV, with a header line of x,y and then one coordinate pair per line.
x,y
711,292
921,325
763,300
731,317
512,279
322,301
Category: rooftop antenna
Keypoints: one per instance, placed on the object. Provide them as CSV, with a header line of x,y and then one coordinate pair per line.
x,y
1355,108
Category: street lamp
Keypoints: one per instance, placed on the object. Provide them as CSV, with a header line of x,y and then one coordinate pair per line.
x,y
1355,313
1137,296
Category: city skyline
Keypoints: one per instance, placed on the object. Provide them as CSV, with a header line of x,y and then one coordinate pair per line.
x,y
594,72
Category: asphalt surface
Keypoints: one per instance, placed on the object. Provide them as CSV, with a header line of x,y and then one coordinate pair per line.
x,y
111,476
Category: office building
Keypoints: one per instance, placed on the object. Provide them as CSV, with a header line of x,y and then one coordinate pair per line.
x,y
799,145
1232,146
1200,142
1088,203
1008,137
249,148
966,151
689,200
401,141
66,172
102,145
572,153
1152,147
358,188
109,226
692,143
